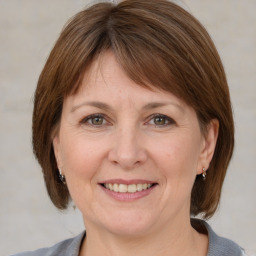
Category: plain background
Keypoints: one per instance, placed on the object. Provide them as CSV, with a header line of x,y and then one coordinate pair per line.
x,y
28,30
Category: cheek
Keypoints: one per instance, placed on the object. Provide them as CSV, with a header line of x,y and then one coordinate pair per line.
x,y
81,164
177,159
81,158
179,151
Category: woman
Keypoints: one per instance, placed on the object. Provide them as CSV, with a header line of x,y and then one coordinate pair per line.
x,y
133,121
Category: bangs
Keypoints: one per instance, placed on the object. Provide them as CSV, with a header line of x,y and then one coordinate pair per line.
x,y
153,50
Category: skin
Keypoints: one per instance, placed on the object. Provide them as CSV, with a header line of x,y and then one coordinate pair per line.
x,y
129,140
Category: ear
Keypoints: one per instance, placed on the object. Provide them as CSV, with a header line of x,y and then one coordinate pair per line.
x,y
209,144
56,149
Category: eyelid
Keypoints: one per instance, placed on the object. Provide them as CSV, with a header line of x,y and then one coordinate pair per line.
x,y
84,120
170,120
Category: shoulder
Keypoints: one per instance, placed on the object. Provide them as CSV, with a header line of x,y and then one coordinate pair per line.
x,y
219,245
69,247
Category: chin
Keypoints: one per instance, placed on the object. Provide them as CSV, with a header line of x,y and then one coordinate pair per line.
x,y
127,223
131,230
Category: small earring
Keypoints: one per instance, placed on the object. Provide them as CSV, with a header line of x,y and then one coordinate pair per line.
x,y
204,174
62,177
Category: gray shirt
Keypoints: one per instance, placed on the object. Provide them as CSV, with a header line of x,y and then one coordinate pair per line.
x,y
218,246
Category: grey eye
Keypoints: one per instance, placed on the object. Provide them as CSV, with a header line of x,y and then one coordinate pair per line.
x,y
97,120
94,120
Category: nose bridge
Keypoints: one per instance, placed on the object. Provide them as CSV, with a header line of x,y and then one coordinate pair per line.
x,y
126,141
128,150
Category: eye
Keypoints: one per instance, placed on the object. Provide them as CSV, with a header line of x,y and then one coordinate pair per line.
x,y
94,120
161,120
97,120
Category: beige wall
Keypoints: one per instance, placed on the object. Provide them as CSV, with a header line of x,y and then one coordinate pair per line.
x,y
28,29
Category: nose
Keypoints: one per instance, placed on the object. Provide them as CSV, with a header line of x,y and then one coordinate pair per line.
x,y
127,151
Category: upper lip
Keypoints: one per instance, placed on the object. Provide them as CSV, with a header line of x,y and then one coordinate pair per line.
x,y
127,182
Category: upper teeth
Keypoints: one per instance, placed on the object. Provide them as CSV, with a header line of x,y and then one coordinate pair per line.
x,y
123,188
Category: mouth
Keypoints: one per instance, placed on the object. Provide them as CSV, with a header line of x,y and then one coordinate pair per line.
x,y
127,188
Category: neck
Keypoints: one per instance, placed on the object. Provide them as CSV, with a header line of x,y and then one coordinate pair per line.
x,y
180,240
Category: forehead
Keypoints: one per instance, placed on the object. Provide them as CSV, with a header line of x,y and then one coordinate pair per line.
x,y
105,80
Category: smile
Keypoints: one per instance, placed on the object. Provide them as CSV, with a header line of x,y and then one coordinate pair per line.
x,y
124,188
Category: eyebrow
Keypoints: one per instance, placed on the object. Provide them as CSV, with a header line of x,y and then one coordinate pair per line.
x,y
96,104
153,105
104,106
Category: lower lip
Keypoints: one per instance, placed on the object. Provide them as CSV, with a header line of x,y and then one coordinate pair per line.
x,y
128,196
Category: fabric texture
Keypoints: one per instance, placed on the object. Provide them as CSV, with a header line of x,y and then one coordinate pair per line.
x,y
218,246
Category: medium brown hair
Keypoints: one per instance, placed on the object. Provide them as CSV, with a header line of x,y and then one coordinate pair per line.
x,y
158,44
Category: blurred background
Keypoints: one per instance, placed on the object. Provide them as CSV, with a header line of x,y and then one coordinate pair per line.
x,y
28,30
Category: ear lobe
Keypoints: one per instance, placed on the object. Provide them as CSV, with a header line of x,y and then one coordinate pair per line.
x,y
210,140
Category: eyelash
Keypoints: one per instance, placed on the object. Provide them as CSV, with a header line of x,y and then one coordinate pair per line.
x,y
168,120
88,120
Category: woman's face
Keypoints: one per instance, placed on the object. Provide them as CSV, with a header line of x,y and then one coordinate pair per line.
x,y
130,155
